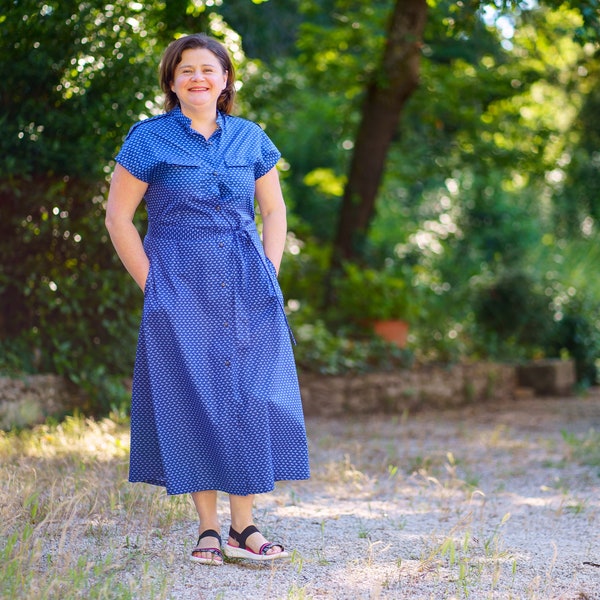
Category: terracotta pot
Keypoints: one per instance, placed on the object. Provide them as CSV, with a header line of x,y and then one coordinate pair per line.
x,y
395,331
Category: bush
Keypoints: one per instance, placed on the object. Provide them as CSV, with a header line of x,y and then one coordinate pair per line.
x,y
322,351
577,336
68,305
369,294
513,317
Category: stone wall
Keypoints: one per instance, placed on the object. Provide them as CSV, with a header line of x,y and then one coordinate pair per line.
x,y
30,399
548,377
410,389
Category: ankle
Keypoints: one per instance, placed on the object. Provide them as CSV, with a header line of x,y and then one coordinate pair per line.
x,y
239,526
206,525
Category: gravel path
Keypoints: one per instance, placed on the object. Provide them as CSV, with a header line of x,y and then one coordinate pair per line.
x,y
482,502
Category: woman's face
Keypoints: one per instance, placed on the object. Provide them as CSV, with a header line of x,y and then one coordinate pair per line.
x,y
198,80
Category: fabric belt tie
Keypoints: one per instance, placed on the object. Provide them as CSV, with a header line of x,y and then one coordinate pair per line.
x,y
249,235
244,236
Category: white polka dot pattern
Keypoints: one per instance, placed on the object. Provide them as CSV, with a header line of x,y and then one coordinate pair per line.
x,y
216,403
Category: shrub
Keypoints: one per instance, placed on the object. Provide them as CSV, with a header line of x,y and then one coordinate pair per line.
x,y
577,336
323,351
513,316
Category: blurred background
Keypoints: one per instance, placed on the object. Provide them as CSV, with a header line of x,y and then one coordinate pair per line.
x,y
440,165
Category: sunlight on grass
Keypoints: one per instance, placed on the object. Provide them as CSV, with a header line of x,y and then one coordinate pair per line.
x,y
419,504
65,501
101,440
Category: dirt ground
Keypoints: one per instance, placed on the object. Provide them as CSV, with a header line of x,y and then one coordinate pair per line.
x,y
481,502
495,501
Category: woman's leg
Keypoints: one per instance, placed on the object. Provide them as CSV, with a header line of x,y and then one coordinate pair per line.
x,y
241,517
206,507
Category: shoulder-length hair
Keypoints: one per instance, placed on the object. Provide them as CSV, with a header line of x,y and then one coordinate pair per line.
x,y
172,57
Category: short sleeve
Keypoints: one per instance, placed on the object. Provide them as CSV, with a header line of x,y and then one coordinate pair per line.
x,y
136,154
268,156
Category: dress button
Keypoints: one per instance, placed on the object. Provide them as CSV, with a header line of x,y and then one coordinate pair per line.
x,y
217,207
223,284
225,324
221,244
215,173
227,363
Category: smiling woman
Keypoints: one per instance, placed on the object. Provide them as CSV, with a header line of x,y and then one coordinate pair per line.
x,y
198,82
216,403
182,63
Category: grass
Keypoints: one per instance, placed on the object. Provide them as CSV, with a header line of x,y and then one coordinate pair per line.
x,y
468,561
584,448
63,486
388,507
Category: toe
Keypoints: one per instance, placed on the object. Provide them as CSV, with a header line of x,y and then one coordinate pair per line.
x,y
257,541
275,549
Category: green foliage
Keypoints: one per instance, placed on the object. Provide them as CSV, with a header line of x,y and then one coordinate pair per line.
x,y
365,294
311,98
577,337
471,183
77,75
302,273
512,314
567,266
75,78
260,42
322,351
68,305
498,150
578,196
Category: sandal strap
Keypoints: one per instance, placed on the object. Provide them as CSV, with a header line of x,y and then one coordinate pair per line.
x,y
266,547
241,538
214,551
209,533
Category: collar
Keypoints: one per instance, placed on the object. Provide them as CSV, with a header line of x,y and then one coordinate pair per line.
x,y
187,122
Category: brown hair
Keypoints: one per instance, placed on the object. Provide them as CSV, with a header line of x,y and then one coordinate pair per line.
x,y
172,57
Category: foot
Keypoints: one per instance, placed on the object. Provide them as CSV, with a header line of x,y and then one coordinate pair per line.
x,y
251,544
208,549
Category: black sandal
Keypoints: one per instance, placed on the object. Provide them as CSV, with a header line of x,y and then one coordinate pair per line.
x,y
215,552
242,551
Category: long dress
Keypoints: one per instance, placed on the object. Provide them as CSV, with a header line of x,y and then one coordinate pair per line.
x,y
216,403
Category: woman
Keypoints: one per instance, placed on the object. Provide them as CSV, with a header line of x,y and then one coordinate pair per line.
x,y
216,404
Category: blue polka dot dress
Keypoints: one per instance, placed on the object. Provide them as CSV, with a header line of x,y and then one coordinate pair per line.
x,y
216,403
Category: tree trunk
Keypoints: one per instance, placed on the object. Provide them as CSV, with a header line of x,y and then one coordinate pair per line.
x,y
389,90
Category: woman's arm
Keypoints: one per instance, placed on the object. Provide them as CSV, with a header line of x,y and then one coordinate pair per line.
x,y
273,213
125,194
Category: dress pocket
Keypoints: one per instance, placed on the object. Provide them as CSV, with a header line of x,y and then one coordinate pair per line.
x,y
271,266
148,281
186,177
239,177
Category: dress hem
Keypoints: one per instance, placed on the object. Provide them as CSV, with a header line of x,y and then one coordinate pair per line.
x,y
225,491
